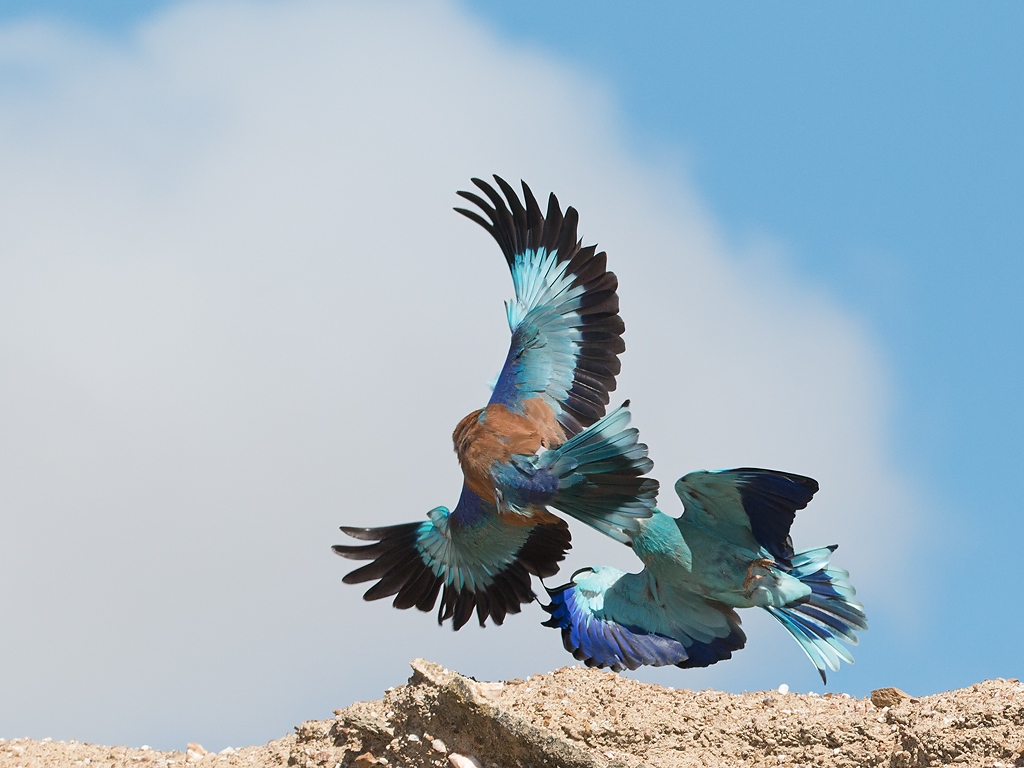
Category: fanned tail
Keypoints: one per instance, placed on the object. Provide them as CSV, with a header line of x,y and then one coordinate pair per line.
x,y
600,476
829,617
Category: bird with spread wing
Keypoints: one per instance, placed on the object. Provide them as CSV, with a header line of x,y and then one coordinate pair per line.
x,y
543,440
730,549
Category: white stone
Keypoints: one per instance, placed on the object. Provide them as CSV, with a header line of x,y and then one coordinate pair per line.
x,y
490,691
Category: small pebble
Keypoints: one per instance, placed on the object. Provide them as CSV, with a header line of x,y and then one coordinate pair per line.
x,y
783,689
413,737
439,746
462,761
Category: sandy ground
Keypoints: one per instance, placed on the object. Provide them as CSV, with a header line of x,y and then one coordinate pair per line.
x,y
582,718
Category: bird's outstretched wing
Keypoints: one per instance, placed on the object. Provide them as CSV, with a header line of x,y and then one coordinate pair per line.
x,y
612,619
472,557
748,507
566,330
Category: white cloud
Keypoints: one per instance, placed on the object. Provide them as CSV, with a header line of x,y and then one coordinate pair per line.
x,y
236,311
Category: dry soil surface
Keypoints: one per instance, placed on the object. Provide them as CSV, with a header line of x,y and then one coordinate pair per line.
x,y
583,718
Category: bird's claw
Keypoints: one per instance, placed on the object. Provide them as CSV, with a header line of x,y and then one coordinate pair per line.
x,y
763,562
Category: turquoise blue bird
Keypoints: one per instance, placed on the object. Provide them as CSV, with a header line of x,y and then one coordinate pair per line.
x,y
543,441
730,549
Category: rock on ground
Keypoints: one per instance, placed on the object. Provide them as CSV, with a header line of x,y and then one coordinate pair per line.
x,y
583,718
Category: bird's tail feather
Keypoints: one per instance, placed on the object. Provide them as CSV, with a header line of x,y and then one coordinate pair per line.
x,y
600,476
829,617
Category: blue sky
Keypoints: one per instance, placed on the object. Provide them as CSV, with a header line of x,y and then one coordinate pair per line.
x,y
867,159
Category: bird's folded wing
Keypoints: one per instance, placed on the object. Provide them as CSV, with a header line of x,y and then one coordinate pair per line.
x,y
566,330
747,506
475,560
611,619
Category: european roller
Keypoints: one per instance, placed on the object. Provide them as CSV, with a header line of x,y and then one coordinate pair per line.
x,y
730,549
542,441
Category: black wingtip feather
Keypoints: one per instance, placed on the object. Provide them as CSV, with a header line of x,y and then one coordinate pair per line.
x,y
473,217
771,500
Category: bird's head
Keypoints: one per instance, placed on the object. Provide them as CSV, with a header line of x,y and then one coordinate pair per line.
x,y
596,580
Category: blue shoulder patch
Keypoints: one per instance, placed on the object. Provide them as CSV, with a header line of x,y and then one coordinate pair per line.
x,y
470,509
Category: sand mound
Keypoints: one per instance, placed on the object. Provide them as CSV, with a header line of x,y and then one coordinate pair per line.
x,y
583,718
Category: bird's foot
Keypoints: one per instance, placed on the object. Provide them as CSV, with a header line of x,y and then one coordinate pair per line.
x,y
752,577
